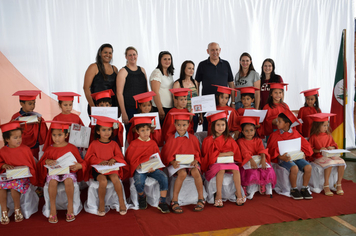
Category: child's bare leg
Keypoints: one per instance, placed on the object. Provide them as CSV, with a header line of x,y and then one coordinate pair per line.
x,y
69,187
327,172
16,198
102,191
219,183
340,175
237,182
52,192
3,199
182,174
163,193
198,182
293,176
118,188
307,174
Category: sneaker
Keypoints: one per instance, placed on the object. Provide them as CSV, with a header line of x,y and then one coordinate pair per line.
x,y
142,203
296,194
163,207
305,193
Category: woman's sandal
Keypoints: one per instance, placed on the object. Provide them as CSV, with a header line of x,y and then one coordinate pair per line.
x,y
339,192
52,219
200,207
123,212
218,202
101,213
70,217
240,200
329,193
5,218
176,208
18,215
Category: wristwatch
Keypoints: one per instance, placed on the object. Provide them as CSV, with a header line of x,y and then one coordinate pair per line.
x,y
233,103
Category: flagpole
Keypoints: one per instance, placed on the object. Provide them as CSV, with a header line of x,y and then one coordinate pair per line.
x,y
345,86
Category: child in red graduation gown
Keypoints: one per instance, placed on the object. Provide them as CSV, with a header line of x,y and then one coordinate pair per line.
x,y
35,133
285,132
139,151
321,139
251,145
144,101
220,144
183,143
59,147
13,154
274,107
168,129
311,106
103,151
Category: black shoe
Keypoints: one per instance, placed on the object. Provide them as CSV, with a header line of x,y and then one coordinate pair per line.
x,y
305,193
163,207
296,194
142,203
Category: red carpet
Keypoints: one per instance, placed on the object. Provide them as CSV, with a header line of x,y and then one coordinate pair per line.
x,y
261,210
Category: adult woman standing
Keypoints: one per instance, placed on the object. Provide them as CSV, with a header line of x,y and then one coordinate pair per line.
x,y
100,76
161,81
247,76
131,80
268,76
186,81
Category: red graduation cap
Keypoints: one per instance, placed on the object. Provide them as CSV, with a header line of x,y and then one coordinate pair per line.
x,y
27,95
291,116
102,94
321,117
248,119
249,89
181,115
67,96
144,97
217,116
224,89
11,125
105,121
55,124
136,120
278,86
178,92
310,92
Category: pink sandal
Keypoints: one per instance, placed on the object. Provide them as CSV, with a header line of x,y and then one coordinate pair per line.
x,y
52,219
70,217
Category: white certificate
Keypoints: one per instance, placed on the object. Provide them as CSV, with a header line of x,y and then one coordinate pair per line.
x,y
106,169
172,170
79,135
29,119
203,103
110,112
256,113
155,121
154,162
292,145
64,161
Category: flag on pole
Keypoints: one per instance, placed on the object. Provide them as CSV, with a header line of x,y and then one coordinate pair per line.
x,y
339,97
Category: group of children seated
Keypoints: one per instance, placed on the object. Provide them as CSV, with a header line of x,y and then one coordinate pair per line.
x,y
233,146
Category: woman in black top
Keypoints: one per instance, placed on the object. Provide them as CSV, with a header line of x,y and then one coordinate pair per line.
x,y
101,76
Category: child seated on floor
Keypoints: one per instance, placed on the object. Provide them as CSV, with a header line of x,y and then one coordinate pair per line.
x,y
139,151
321,139
183,143
285,132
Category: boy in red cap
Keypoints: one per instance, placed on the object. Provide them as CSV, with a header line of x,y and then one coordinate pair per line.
x,y
183,143
285,132
65,102
35,133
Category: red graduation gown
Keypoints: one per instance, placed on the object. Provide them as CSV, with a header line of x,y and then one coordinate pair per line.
x,y
99,152
156,135
303,113
319,141
168,127
251,147
212,147
118,134
53,153
20,156
276,136
180,145
272,113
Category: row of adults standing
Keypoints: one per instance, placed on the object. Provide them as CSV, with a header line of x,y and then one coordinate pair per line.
x,y
132,80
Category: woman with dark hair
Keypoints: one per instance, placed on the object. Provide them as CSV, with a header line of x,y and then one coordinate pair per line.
x,y
186,81
246,77
267,76
131,80
161,81
100,76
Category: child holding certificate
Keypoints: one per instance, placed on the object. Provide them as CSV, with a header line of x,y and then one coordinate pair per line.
x,y
58,148
285,132
13,154
183,144
104,151
321,139
254,156
139,152
65,102
220,146
247,98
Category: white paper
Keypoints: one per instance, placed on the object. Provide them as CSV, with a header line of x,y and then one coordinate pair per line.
x,y
333,151
296,123
161,165
105,169
79,135
247,166
110,112
66,160
3,177
256,113
203,103
292,145
29,119
155,121
172,170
